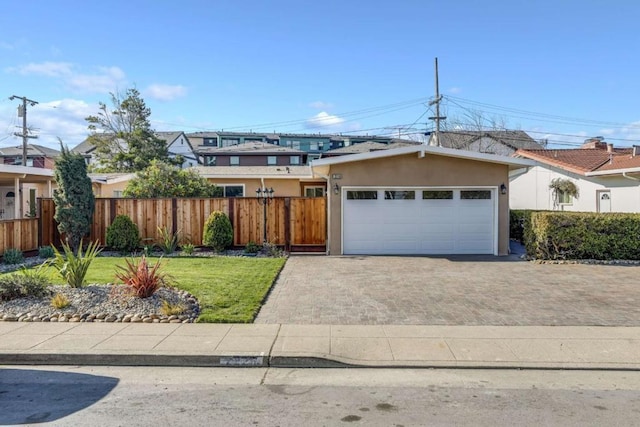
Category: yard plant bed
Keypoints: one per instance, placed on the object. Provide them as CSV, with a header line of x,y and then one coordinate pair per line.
x,y
227,289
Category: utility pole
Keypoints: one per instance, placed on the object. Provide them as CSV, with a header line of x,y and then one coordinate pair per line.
x,y
22,112
436,101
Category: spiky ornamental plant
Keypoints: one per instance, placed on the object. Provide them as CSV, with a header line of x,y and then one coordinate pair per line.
x,y
73,198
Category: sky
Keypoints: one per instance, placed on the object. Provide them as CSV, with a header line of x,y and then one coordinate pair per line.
x,y
560,70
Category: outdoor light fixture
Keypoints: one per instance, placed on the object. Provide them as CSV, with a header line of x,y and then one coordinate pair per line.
x,y
503,188
336,189
265,197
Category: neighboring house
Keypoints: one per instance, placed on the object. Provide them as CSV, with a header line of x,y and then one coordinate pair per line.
x,y
251,154
366,147
314,145
418,200
20,186
177,144
286,181
607,178
501,142
37,156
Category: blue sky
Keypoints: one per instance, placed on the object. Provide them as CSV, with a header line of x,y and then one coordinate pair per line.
x,y
561,70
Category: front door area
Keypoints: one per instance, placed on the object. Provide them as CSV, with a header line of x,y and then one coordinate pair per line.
x,y
604,201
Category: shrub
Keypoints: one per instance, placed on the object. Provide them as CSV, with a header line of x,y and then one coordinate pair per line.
x,y
252,248
188,248
168,240
73,267
60,301
272,250
583,235
13,256
123,235
45,252
169,309
23,284
142,280
218,232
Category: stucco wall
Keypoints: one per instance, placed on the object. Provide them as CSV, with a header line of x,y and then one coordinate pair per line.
x,y
410,170
531,191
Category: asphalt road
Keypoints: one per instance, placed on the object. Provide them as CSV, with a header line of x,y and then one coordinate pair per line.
x,y
109,396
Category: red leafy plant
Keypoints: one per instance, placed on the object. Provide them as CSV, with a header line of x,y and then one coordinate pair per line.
x,y
142,279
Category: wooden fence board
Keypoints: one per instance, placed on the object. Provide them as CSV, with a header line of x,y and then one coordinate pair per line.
x,y
19,234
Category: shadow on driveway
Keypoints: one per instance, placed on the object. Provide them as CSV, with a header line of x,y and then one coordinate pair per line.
x,y
34,396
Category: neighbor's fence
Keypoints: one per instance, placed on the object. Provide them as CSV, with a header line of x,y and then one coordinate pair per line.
x,y
19,234
297,223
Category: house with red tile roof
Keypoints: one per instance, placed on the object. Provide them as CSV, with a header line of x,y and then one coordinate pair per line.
x,y
607,178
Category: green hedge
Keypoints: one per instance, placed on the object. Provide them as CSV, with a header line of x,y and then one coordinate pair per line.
x,y
581,235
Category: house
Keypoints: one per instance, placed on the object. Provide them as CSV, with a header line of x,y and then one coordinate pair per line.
x,y
502,142
368,146
286,181
418,200
177,144
607,178
37,156
251,154
20,186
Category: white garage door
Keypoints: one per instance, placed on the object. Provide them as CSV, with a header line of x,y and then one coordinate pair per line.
x,y
419,221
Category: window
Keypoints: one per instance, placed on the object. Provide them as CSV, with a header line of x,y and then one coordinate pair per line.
x,y
294,160
210,141
362,195
399,195
272,160
117,193
437,195
234,160
315,191
210,160
321,145
313,146
232,190
563,197
30,162
295,145
228,142
475,194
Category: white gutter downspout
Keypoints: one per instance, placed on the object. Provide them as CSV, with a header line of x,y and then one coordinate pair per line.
x,y
624,174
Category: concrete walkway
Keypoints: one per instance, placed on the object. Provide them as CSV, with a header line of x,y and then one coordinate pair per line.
x,y
280,345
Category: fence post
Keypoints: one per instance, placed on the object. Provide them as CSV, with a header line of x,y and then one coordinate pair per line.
x,y
39,210
236,232
174,215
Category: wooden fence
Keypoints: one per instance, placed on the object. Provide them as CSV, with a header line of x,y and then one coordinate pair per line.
x,y
297,223
19,234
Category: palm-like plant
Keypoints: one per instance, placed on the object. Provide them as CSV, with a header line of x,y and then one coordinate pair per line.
x,y
72,266
143,280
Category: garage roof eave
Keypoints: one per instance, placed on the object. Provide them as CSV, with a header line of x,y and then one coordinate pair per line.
x,y
512,162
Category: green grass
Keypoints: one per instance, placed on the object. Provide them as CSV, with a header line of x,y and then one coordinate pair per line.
x,y
229,289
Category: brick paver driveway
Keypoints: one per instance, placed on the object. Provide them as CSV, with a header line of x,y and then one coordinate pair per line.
x,y
451,291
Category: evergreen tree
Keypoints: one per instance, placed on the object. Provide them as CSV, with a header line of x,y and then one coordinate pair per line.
x,y
163,180
123,138
73,198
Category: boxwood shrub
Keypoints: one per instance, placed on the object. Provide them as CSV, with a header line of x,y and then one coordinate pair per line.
x,y
123,235
582,235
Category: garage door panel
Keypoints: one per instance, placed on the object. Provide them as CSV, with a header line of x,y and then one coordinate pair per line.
x,y
419,226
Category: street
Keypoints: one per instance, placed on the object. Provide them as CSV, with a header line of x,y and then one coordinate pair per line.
x,y
108,396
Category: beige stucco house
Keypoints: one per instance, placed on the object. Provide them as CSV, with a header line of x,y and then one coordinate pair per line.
x,y
20,186
418,200
235,181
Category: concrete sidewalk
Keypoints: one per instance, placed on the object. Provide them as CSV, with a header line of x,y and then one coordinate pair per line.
x,y
320,345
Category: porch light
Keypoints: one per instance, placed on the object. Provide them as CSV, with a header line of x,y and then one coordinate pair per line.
x,y
503,188
336,189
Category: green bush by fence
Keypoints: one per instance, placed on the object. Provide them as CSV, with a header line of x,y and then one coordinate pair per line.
x,y
581,235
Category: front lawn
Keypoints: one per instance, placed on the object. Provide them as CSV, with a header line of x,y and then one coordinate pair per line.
x,y
229,289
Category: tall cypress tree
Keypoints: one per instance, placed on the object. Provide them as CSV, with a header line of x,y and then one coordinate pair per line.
x,y
73,198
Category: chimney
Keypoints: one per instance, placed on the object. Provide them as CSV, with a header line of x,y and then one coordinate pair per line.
x,y
596,143
635,150
610,148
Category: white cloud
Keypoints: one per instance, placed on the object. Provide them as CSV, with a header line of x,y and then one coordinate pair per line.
x,y
107,79
103,80
165,92
454,90
49,121
330,123
49,69
320,105
7,46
